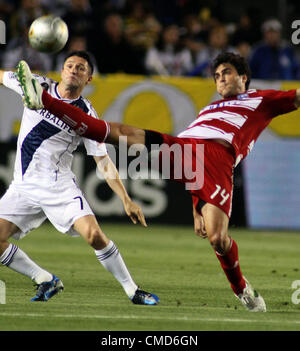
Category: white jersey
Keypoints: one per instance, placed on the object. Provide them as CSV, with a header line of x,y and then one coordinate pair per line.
x,y
45,143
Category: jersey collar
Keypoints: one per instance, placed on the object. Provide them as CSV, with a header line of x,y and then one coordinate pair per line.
x,y
60,98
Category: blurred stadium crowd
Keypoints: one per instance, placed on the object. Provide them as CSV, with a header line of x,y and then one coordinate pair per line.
x,y
172,38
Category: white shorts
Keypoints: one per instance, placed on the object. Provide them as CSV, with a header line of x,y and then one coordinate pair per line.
x,y
28,206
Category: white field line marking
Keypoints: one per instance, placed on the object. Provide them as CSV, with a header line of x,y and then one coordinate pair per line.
x,y
186,319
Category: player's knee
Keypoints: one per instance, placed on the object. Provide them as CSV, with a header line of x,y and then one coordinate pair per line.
x,y
218,242
96,238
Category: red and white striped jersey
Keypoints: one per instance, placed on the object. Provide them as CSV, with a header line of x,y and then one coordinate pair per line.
x,y
240,119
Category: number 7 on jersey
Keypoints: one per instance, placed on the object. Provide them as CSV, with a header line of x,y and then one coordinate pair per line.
x,y
80,200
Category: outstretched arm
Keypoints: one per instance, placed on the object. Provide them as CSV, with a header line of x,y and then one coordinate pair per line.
x,y
111,175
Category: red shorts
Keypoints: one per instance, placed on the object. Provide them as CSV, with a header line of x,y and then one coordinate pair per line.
x,y
213,164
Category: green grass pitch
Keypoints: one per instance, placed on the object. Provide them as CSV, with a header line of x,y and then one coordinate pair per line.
x,y
169,261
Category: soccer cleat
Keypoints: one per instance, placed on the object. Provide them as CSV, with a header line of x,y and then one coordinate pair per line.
x,y
31,88
144,298
46,290
251,299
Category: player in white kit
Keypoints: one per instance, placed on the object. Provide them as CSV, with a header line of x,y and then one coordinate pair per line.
x,y
45,187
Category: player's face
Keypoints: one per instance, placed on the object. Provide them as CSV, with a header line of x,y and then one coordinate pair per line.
x,y
75,73
228,81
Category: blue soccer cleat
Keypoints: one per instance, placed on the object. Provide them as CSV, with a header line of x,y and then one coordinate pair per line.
x,y
144,298
46,290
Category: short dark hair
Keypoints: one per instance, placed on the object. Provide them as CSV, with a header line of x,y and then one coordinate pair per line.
x,y
237,61
84,55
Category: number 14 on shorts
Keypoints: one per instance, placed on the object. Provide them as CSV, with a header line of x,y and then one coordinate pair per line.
x,y
222,193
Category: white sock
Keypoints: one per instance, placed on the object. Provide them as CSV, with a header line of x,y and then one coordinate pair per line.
x,y
16,259
112,260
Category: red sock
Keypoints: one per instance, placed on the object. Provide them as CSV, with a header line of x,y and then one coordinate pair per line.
x,y
231,267
79,121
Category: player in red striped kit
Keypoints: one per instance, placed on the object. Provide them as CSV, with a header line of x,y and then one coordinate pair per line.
x,y
227,128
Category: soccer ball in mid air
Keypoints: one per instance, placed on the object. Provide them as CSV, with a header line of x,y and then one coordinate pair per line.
x,y
48,34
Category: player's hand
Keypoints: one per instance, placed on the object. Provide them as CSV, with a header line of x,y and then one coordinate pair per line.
x,y
135,212
199,226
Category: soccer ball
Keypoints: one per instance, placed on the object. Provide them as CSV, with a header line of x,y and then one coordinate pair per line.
x,y
48,34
